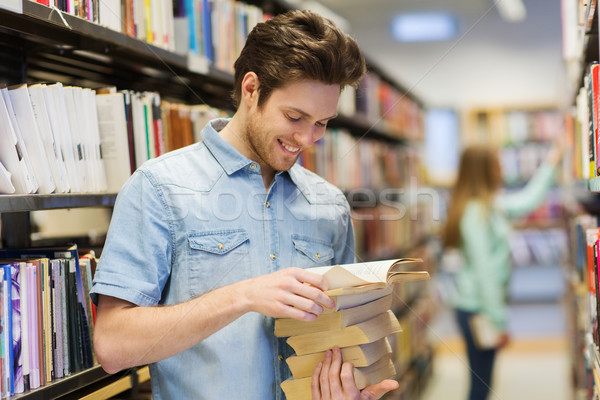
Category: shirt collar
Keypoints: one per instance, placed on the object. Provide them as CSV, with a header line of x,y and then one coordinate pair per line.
x,y
230,159
228,156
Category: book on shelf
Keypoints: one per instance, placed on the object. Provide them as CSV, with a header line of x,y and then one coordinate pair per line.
x,y
285,327
12,156
7,333
19,98
59,120
594,94
363,376
50,138
57,320
114,139
360,355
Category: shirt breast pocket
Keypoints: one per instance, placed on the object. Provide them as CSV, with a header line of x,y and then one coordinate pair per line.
x,y
217,258
311,252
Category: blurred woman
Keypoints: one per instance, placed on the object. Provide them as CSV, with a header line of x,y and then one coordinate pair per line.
x,y
478,226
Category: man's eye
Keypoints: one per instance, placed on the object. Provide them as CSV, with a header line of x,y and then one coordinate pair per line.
x,y
321,124
293,119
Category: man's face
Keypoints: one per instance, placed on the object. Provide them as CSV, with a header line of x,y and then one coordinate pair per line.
x,y
292,119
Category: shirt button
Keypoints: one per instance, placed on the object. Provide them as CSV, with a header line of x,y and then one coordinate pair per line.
x,y
280,357
220,246
318,256
268,204
252,166
273,256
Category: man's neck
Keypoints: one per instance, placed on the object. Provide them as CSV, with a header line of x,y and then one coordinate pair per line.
x,y
234,133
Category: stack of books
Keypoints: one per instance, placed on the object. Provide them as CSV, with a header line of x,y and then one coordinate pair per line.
x,y
359,324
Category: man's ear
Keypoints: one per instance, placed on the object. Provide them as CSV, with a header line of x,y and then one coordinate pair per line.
x,y
250,89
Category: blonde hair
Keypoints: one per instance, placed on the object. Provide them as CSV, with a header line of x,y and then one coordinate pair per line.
x,y
479,178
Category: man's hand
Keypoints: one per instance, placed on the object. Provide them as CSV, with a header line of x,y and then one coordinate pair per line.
x,y
333,381
288,293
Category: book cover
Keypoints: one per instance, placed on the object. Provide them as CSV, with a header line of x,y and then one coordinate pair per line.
x,y
485,334
6,318
130,138
57,335
72,98
91,126
16,328
24,324
50,138
299,389
332,321
3,340
11,154
74,301
595,111
369,331
8,309
361,355
19,96
32,326
59,121
114,139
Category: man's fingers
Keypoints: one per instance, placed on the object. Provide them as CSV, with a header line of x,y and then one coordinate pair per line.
x,y
375,392
316,280
324,377
335,385
315,386
347,378
313,287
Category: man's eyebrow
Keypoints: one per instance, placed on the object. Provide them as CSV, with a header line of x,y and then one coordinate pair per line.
x,y
307,115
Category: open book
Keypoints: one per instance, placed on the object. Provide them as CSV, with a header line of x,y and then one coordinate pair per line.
x,y
366,276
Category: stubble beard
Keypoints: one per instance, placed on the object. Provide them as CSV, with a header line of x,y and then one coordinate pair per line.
x,y
255,135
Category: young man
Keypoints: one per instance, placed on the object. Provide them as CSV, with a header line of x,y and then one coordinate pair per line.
x,y
208,243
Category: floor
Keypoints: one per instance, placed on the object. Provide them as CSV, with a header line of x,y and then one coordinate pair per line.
x,y
535,366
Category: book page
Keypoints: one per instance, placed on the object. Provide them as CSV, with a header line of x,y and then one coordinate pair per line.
x,y
355,274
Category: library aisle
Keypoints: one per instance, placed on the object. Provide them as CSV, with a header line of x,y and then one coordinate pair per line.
x,y
535,366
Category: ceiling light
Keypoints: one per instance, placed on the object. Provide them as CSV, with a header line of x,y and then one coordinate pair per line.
x,y
511,10
419,27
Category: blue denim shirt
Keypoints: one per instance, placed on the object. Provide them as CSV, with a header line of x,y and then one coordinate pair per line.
x,y
199,218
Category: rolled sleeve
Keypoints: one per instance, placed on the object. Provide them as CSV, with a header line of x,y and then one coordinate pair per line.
x,y
136,259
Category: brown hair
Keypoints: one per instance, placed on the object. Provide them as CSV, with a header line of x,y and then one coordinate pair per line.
x,y
478,178
294,46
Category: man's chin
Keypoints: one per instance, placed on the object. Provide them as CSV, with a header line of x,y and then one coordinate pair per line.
x,y
283,166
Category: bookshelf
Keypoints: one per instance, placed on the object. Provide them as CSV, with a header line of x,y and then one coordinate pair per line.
x,y
581,50
41,44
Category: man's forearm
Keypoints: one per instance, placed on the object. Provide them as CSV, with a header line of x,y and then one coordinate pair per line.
x,y
126,335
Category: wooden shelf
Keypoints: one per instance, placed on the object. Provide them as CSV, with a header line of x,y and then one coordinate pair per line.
x,y
71,386
65,385
21,203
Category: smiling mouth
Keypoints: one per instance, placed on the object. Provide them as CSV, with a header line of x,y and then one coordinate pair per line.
x,y
289,148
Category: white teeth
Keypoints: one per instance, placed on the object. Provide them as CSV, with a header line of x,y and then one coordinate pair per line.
x,y
289,148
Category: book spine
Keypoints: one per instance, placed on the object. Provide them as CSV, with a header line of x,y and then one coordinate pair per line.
x,y
34,360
